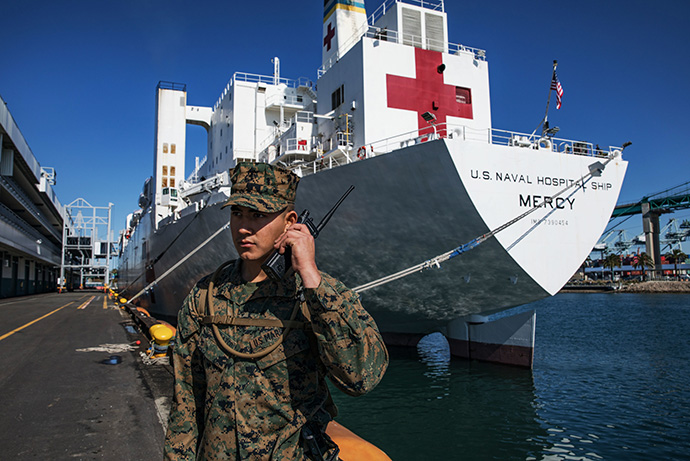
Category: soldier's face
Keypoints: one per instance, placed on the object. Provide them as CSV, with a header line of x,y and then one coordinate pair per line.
x,y
254,233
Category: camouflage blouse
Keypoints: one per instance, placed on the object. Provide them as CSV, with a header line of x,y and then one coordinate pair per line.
x,y
226,407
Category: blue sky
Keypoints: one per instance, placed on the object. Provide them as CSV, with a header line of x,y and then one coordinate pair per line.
x,y
79,77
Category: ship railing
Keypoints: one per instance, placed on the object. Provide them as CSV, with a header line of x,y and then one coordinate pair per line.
x,y
288,145
393,36
341,143
549,143
406,139
286,100
277,133
193,178
436,5
297,146
270,140
326,161
343,152
272,80
164,85
336,151
219,179
304,117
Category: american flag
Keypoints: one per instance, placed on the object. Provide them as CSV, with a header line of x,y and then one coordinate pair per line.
x,y
556,85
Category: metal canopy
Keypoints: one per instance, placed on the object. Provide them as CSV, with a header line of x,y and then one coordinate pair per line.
x,y
86,243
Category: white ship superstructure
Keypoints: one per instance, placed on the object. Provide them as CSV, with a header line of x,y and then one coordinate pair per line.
x,y
403,115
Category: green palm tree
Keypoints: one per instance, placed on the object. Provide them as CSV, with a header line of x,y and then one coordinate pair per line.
x,y
611,261
643,260
675,257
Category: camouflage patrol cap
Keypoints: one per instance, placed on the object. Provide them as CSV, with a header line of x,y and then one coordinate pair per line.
x,y
262,187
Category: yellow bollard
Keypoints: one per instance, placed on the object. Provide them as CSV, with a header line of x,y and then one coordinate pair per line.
x,y
161,335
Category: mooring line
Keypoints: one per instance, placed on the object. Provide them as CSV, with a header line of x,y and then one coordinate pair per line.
x,y
595,169
189,255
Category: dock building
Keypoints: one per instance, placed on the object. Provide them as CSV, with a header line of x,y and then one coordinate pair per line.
x,y
31,220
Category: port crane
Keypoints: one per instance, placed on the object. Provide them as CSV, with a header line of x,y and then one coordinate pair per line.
x,y
617,241
651,207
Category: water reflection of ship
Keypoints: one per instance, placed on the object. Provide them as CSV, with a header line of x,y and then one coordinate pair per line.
x,y
433,406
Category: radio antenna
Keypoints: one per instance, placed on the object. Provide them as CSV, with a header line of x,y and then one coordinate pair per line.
x,y
326,218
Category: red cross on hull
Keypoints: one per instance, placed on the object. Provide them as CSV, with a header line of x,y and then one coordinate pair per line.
x,y
427,92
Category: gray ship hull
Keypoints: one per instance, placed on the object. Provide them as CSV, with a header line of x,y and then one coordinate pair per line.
x,y
407,207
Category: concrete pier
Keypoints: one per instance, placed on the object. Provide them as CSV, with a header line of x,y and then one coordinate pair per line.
x,y
73,384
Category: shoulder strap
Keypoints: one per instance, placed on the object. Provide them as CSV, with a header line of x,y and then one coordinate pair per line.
x,y
209,308
238,321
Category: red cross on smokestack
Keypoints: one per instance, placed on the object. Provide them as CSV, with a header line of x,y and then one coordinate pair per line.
x,y
329,36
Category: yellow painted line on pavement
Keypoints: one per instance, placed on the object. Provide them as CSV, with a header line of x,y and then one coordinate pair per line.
x,y
86,303
33,321
105,303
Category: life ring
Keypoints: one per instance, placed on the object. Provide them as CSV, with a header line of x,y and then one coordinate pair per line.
x,y
362,153
544,143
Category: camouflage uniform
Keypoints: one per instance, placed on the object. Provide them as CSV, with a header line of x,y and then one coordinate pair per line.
x,y
228,407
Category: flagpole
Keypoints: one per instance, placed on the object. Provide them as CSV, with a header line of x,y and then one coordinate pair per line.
x,y
548,102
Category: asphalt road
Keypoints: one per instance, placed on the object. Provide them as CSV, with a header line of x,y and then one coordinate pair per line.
x,y
70,389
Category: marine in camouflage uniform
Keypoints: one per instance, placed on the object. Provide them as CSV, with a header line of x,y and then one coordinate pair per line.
x,y
250,358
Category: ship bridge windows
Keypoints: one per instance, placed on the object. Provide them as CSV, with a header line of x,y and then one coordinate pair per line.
x,y
169,196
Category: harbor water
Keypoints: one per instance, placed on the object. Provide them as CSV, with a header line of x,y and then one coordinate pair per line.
x,y
611,380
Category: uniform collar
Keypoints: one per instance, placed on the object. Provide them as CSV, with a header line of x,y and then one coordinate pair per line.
x,y
230,285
